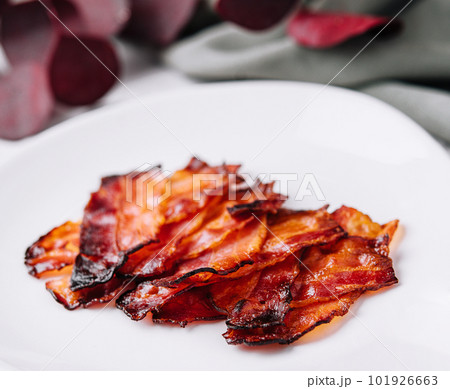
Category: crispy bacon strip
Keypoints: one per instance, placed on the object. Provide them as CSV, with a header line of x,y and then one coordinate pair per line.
x,y
146,298
357,223
210,228
351,264
193,305
289,232
53,251
234,252
111,227
258,300
157,258
151,296
257,199
192,188
213,232
330,274
116,225
294,230
102,293
297,323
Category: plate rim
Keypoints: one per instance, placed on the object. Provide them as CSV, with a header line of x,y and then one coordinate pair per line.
x,y
66,126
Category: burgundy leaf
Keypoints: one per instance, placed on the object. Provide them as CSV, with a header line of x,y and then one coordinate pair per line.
x,y
77,77
26,101
28,33
3,5
99,18
254,14
159,21
322,29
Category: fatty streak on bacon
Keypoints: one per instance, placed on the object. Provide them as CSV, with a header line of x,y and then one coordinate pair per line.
x,y
260,299
102,293
53,251
297,323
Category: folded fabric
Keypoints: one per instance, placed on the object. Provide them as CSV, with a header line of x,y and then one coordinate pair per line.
x,y
427,106
419,52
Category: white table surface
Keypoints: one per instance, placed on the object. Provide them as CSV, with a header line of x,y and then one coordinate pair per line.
x,y
141,73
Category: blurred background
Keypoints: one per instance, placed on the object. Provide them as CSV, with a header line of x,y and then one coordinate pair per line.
x,y
60,58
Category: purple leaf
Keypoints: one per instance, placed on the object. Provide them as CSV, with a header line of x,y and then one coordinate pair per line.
x,y
26,101
76,76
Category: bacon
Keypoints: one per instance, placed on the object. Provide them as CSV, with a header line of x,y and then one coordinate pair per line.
x,y
203,244
351,264
180,305
233,253
102,293
146,298
289,232
297,323
258,300
259,198
193,187
112,227
187,239
330,275
213,233
193,305
53,251
293,230
119,221
230,216
357,223
158,257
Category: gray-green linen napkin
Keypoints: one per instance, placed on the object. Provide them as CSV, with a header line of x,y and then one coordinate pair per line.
x,y
419,53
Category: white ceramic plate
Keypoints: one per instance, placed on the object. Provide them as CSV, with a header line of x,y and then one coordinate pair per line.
x,y
362,152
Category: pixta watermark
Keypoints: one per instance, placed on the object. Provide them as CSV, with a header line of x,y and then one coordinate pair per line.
x,y
149,185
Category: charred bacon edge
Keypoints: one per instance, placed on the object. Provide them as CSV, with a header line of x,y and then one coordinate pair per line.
x,y
179,280
343,310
